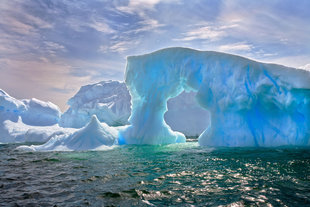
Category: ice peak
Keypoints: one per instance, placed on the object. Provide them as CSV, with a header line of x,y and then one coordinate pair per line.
x,y
94,122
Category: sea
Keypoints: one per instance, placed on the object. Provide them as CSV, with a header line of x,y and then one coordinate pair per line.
x,y
164,175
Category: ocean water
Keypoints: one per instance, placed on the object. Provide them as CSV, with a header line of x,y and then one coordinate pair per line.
x,y
170,175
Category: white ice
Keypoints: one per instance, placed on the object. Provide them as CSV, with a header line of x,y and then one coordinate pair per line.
x,y
18,132
108,100
40,113
27,120
94,136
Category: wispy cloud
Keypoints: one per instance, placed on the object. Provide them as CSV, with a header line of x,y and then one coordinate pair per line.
x,y
96,23
14,19
138,6
53,47
101,26
239,46
118,46
205,31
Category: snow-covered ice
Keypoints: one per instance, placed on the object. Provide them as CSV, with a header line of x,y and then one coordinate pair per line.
x,y
23,120
10,108
18,132
108,100
40,113
33,111
250,103
94,136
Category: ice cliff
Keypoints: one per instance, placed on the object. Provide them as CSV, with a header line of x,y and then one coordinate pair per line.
x,y
250,103
108,100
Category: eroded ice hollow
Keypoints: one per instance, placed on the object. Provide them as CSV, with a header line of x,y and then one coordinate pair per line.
x,y
250,103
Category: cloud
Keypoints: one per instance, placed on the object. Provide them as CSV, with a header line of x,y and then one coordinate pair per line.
x,y
202,33
62,90
147,25
239,46
16,20
205,31
119,46
80,25
271,22
27,79
101,26
138,6
53,47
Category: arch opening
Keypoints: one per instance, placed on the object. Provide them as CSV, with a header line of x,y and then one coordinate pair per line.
x,y
185,115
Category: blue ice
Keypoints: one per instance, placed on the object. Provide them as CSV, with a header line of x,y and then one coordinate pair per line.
x,y
250,103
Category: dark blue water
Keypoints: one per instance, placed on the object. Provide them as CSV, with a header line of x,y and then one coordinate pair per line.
x,y
172,175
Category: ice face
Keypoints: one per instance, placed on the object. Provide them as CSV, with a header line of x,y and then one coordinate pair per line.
x,y
250,103
40,113
108,100
10,108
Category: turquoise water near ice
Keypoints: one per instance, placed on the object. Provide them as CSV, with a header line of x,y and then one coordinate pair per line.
x,y
169,175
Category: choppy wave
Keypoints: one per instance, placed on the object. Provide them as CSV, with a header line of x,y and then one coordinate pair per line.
x,y
179,174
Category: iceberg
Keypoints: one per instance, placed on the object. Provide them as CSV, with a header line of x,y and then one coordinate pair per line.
x,y
110,101
32,111
18,132
93,136
250,103
28,120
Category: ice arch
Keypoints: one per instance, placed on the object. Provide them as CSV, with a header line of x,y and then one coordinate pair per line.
x,y
250,103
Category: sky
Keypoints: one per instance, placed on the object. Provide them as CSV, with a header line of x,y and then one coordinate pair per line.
x,y
50,48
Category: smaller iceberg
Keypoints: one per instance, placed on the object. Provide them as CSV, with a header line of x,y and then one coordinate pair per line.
x,y
33,112
17,132
28,120
94,136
